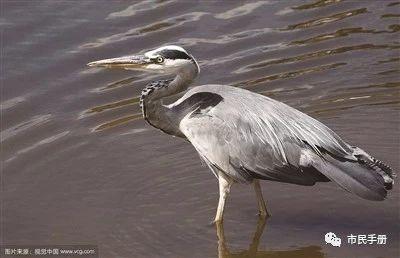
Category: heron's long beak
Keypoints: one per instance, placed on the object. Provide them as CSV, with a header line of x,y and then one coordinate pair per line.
x,y
126,62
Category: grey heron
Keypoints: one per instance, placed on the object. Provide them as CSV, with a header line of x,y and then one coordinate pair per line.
x,y
245,137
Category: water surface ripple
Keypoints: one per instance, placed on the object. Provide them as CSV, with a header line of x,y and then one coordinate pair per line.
x,y
80,165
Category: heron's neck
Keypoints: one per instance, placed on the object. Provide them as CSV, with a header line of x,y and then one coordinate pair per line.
x,y
154,111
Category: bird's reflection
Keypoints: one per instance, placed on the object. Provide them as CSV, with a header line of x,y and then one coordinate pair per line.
x,y
253,252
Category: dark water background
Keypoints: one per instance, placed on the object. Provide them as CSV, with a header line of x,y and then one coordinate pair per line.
x,y
80,166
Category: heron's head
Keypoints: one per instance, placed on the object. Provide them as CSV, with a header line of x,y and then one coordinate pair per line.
x,y
167,59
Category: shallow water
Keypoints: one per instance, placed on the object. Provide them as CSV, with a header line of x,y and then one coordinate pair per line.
x,y
80,165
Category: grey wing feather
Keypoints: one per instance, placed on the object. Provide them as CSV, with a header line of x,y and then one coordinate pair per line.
x,y
248,136
351,176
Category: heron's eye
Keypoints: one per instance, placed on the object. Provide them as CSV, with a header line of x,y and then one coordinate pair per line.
x,y
159,59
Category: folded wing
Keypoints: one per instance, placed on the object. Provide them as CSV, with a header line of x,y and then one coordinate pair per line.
x,y
247,136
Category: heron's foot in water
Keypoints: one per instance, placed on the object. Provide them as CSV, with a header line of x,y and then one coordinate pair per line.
x,y
264,214
214,222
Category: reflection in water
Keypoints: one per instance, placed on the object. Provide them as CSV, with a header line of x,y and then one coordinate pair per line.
x,y
40,143
343,33
117,104
317,54
240,11
24,126
11,102
285,75
324,20
390,15
154,27
357,96
319,3
225,38
117,84
253,252
390,60
118,121
141,6
393,4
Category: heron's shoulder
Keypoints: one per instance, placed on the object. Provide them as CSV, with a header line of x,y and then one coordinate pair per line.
x,y
217,88
225,91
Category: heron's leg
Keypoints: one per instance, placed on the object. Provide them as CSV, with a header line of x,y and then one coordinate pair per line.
x,y
224,188
262,208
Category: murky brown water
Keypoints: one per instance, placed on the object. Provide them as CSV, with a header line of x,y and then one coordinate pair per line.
x,y
79,164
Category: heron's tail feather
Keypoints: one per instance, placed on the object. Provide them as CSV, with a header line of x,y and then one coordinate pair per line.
x,y
365,177
376,165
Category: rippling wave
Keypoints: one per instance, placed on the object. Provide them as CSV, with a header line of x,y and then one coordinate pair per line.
x,y
87,167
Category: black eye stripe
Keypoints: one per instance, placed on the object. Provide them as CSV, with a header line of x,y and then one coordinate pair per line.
x,y
174,54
